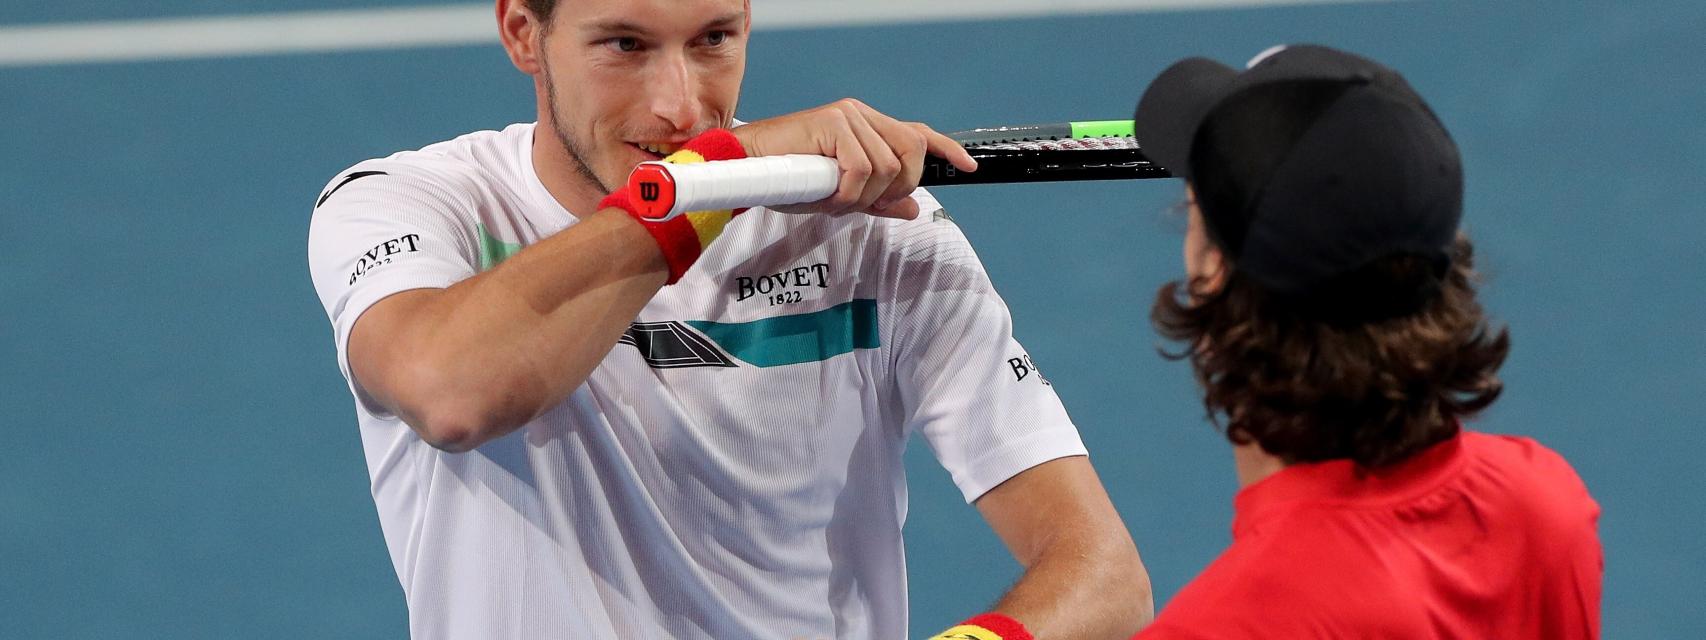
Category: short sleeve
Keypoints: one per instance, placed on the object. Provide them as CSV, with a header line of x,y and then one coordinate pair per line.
x,y
379,229
965,383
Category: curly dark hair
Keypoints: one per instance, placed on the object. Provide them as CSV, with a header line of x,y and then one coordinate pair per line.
x,y
1308,387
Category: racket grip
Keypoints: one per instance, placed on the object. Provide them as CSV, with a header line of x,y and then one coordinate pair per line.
x,y
664,190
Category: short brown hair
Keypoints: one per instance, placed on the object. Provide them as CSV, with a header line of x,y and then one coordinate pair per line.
x,y
1307,388
542,9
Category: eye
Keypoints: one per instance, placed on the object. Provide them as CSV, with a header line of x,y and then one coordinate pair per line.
x,y
716,38
623,44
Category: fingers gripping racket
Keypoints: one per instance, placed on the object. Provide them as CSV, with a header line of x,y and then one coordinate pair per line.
x,y
1098,150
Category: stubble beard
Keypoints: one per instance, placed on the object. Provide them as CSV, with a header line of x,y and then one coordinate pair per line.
x,y
577,154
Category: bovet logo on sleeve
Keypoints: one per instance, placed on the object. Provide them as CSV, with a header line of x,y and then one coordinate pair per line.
x,y
1023,368
383,253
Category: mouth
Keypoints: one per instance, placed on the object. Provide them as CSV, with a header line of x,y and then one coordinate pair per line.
x,y
656,150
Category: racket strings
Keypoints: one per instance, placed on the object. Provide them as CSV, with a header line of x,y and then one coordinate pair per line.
x,y
1067,144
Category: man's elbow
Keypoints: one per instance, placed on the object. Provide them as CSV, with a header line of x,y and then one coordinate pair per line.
x,y
1139,596
457,418
1122,582
450,436
1142,600
450,428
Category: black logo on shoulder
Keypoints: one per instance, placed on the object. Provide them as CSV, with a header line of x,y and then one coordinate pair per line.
x,y
347,179
673,345
382,254
1023,368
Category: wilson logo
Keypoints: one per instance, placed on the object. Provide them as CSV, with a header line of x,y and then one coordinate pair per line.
x,y
649,191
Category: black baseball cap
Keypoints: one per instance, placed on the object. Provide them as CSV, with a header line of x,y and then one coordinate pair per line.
x,y
1307,165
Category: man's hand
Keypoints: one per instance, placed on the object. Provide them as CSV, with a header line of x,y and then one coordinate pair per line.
x,y
881,158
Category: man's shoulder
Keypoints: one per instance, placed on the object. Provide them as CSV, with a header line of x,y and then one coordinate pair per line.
x,y
1535,482
933,228
1533,465
484,147
464,161
798,231
763,248
1512,449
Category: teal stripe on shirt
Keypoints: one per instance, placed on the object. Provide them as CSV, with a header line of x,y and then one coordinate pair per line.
x,y
806,337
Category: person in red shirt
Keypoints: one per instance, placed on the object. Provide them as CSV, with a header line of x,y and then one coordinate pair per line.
x,y
1329,311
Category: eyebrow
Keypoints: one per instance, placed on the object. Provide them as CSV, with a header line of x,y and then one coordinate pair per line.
x,y
624,26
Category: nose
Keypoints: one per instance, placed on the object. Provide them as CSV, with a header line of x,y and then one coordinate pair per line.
x,y
674,96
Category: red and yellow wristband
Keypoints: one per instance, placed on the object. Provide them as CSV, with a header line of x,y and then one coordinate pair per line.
x,y
987,626
684,237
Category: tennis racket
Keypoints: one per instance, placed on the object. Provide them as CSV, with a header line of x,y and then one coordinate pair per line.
x,y
1096,150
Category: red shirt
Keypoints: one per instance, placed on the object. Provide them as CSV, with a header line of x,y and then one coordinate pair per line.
x,y
1481,536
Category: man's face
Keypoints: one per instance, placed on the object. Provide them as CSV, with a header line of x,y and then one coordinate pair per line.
x,y
630,80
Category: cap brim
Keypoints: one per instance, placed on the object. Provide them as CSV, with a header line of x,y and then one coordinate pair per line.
x,y
1174,105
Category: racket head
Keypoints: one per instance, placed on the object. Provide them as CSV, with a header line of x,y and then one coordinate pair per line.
x,y
1015,134
1086,150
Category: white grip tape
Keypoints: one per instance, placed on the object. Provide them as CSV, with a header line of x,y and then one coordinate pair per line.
x,y
752,182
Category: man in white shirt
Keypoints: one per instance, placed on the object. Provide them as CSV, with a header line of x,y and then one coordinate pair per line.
x,y
562,446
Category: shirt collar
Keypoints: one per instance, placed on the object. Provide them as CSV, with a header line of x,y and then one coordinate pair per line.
x,y
1337,483
548,215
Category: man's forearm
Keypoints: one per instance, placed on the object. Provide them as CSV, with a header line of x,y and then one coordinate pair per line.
x,y
481,358
1083,576
1078,590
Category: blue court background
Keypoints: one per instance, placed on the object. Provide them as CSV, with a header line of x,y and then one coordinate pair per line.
x,y
181,458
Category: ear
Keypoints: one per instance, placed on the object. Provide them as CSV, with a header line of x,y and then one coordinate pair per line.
x,y
1205,264
1214,269
520,30
748,28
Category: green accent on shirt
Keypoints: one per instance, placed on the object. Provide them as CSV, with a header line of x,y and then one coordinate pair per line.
x,y
806,337
493,250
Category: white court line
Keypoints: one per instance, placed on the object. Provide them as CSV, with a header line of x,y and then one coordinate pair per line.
x,y
474,24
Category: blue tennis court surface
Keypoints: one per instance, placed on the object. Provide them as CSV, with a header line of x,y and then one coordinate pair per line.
x,y
182,455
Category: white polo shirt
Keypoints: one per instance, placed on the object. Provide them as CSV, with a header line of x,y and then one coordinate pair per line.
x,y
733,468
